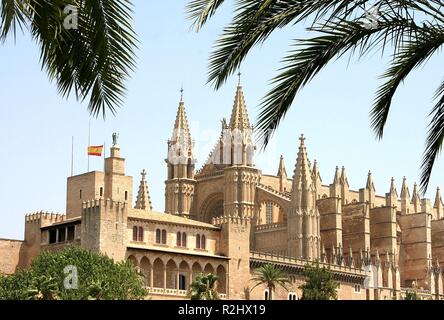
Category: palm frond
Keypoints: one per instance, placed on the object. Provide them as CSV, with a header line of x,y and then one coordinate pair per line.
x,y
199,11
412,54
435,138
93,60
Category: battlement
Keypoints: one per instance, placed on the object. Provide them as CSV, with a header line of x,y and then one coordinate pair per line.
x,y
50,217
228,219
104,203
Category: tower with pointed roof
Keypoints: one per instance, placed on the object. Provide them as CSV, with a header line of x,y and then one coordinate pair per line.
x,y
143,200
180,184
240,175
304,238
282,174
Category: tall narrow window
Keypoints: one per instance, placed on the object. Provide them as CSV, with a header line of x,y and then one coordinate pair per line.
x,y
157,235
126,195
266,295
269,213
101,191
203,242
134,233
182,282
164,236
184,239
141,234
197,241
178,239
80,194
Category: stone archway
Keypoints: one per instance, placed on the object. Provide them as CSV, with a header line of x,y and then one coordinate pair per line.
x,y
213,206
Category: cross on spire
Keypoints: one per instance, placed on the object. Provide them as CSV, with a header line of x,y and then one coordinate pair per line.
x,y
239,77
143,173
302,138
181,93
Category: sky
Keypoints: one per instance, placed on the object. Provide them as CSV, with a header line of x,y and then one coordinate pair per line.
x,y
37,125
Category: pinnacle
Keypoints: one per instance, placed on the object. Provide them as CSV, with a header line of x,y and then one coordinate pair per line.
x,y
239,115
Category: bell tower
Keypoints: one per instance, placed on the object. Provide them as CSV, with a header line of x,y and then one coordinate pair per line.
x,y
240,175
180,184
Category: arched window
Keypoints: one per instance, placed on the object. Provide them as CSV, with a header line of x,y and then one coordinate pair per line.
x,y
197,241
80,193
184,239
269,213
292,296
182,282
203,242
164,236
266,295
101,191
178,239
134,233
126,195
141,234
157,235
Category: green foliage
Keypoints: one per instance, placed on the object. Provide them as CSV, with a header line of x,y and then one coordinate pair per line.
x,y
271,276
319,283
411,295
99,277
204,287
93,59
412,30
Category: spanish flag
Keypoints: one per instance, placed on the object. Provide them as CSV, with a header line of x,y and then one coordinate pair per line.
x,y
95,150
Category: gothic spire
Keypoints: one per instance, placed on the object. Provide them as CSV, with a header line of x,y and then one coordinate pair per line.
x,y
405,194
438,199
337,178
239,115
393,187
302,174
344,179
370,185
416,198
316,172
143,200
181,131
438,204
281,171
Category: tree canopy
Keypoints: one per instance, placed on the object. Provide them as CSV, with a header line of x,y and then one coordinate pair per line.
x,y
50,277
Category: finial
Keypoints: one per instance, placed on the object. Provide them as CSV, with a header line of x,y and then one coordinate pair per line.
x,y
239,78
181,93
302,139
143,173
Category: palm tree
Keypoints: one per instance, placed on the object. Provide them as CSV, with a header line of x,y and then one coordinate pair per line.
x,y
86,46
413,31
319,283
204,287
271,276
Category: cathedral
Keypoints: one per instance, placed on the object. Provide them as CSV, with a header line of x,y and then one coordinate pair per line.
x,y
229,218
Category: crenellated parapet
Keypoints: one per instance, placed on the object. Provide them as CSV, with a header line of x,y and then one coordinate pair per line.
x,y
109,204
218,221
44,217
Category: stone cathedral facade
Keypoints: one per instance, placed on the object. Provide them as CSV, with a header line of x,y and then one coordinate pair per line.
x,y
229,218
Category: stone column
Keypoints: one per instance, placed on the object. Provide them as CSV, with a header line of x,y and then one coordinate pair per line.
x,y
164,277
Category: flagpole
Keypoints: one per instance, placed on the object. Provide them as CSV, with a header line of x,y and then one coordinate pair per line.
x,y
72,156
104,151
89,138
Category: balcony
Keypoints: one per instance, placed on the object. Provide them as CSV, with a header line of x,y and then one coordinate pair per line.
x,y
174,292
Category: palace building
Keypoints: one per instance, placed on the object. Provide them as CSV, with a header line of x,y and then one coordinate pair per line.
x,y
229,218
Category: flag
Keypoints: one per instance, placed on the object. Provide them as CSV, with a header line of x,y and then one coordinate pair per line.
x,y
95,150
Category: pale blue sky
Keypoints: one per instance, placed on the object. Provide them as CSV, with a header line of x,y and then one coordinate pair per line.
x,y
36,124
